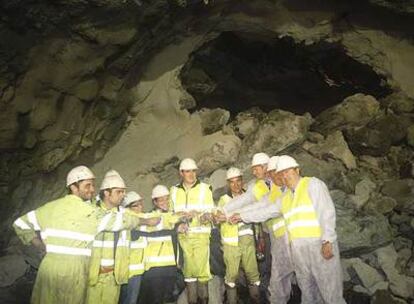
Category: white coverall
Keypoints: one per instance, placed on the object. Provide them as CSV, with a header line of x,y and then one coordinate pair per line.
x,y
320,280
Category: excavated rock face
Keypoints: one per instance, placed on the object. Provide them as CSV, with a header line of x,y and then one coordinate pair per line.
x,y
138,85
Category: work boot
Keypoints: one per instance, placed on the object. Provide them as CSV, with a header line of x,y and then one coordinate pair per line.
x,y
203,292
231,295
192,292
254,293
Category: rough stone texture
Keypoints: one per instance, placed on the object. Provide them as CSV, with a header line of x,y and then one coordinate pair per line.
x,y
279,130
385,297
410,136
97,83
363,191
377,136
354,111
381,204
213,120
402,192
399,103
330,171
361,234
368,276
247,122
12,267
400,285
334,146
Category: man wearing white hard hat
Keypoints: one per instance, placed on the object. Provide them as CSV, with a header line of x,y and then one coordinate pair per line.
x,y
68,227
133,203
256,188
160,255
238,243
194,197
109,268
282,273
310,219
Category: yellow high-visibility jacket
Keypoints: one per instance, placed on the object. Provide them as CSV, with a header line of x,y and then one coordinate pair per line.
x,y
110,249
230,233
276,225
68,226
199,198
159,251
299,213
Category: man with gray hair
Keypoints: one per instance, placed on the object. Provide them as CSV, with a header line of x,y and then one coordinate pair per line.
x,y
309,214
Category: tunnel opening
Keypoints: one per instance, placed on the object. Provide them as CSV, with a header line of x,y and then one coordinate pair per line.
x,y
238,71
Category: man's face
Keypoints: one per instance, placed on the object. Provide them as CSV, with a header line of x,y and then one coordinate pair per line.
x,y
137,206
189,176
162,202
115,196
259,171
277,178
290,177
235,184
85,189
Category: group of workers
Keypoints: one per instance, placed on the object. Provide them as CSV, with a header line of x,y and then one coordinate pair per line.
x,y
108,250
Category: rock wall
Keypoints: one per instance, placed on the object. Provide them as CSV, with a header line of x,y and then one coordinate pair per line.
x,y
81,88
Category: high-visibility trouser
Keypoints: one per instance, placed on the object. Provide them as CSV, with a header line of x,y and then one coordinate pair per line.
x,y
320,280
106,291
243,255
61,278
196,254
282,274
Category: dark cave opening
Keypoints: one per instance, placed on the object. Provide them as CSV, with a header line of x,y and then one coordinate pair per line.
x,y
237,71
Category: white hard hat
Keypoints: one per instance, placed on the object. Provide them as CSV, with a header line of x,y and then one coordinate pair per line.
x,y
159,191
260,159
130,198
77,174
112,179
233,172
286,162
188,164
272,164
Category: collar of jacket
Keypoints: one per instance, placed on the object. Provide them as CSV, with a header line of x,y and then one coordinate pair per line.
x,y
159,210
181,185
231,194
101,205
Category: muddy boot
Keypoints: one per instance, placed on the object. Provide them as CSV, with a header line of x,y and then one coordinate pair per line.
x,y
254,293
231,295
192,292
203,292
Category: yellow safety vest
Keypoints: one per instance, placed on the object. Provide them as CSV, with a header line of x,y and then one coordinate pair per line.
x,y
198,198
299,213
68,226
276,225
136,253
260,189
103,254
159,251
230,233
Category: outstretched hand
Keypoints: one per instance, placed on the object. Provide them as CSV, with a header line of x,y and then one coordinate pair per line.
x,y
153,221
219,217
235,218
206,218
182,228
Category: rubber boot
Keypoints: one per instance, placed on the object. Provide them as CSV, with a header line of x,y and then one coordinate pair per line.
x,y
202,292
254,293
192,292
231,295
